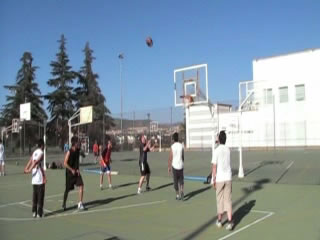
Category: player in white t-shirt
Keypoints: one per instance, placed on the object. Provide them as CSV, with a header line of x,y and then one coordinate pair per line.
x,y
222,180
2,165
175,164
38,179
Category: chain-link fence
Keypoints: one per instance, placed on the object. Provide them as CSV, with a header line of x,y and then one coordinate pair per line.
x,y
157,124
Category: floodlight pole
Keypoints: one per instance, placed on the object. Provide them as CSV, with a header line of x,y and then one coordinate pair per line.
x,y
121,56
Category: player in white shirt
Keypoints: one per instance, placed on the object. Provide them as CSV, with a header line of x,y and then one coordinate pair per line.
x,y
35,165
175,165
2,165
222,180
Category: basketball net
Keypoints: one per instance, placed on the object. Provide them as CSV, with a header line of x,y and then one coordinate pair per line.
x,y
187,100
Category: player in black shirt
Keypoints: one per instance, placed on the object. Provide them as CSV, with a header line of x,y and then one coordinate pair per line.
x,y
145,147
73,176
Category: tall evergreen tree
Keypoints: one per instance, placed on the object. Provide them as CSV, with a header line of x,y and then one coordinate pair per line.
x,y
25,90
61,98
89,93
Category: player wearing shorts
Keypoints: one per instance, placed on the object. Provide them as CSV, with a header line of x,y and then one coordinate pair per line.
x,y
222,176
105,161
38,179
73,176
2,165
145,172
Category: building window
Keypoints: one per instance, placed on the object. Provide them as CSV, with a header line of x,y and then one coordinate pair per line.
x,y
268,98
300,92
283,94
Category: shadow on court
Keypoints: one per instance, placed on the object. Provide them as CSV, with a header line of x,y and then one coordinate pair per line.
x,y
242,212
195,193
125,185
263,164
91,204
258,185
162,186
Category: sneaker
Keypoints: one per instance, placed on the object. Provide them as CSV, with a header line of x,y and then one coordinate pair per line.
x,y
177,197
81,206
182,196
110,186
229,226
139,191
34,214
101,187
39,216
64,208
218,224
148,188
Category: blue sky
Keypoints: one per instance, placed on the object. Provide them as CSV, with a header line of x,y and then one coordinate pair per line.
x,y
226,34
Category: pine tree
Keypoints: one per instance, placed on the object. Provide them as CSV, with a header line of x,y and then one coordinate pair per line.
x,y
60,100
88,93
25,90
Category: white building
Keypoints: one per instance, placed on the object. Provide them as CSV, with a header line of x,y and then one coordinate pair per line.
x,y
279,106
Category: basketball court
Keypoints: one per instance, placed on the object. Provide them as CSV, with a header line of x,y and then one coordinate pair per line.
x,y
279,192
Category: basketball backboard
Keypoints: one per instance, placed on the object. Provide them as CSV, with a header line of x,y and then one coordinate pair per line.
x,y
86,115
154,126
25,112
191,81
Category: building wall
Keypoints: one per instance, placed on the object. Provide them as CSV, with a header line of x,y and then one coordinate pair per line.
x,y
293,123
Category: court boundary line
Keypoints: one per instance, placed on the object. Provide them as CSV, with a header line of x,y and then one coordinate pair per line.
x,y
86,212
25,201
269,214
284,173
30,206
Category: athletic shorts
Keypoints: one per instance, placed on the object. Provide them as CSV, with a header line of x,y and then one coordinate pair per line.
x,y
72,180
2,162
144,168
224,193
106,169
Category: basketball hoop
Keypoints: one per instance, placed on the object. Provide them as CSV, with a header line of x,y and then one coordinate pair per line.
x,y
187,100
15,125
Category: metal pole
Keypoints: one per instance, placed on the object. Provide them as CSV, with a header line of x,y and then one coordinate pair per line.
x,y
148,114
24,136
104,131
240,172
45,144
274,124
121,56
170,120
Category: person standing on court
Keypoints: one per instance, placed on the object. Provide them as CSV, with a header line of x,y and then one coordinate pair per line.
x,y
2,165
95,150
105,161
145,172
222,180
175,165
73,176
38,179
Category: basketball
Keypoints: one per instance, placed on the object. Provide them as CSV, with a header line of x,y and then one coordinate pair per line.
x,y
149,41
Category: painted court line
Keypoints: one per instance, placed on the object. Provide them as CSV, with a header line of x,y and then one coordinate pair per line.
x,y
88,211
285,171
30,206
25,201
269,214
